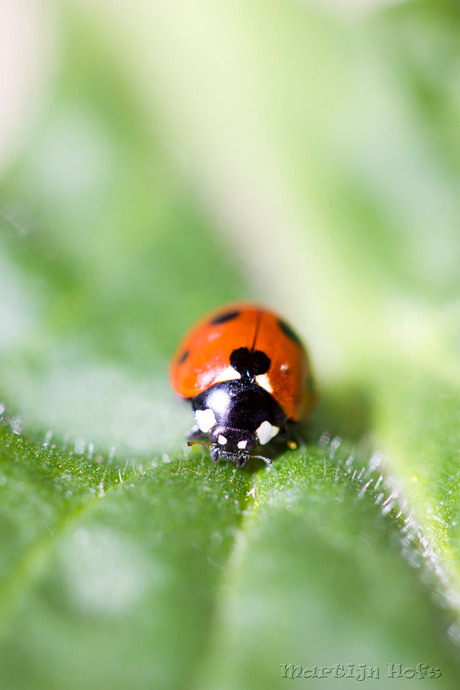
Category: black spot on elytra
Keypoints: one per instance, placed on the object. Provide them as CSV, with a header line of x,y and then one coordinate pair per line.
x,y
249,364
184,356
223,318
287,330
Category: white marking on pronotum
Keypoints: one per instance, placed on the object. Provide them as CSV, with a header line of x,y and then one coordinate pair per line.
x,y
266,432
222,440
242,444
206,419
227,375
263,381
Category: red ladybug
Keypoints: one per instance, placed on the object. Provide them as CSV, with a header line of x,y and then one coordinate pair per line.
x,y
246,374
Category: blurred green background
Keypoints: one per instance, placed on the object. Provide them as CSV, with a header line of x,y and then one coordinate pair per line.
x,y
158,160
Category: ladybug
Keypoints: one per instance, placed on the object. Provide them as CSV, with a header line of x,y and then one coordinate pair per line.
x,y
246,374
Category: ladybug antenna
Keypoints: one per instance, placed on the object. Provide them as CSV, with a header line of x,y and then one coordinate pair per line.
x,y
198,443
267,461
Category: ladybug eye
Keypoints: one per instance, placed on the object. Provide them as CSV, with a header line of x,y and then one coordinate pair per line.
x,y
287,330
223,318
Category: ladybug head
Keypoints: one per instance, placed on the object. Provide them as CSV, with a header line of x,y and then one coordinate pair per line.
x,y
234,444
232,441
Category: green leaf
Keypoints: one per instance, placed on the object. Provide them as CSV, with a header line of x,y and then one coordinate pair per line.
x,y
111,577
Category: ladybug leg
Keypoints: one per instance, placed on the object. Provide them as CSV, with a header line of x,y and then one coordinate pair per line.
x,y
289,434
195,434
297,436
283,434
